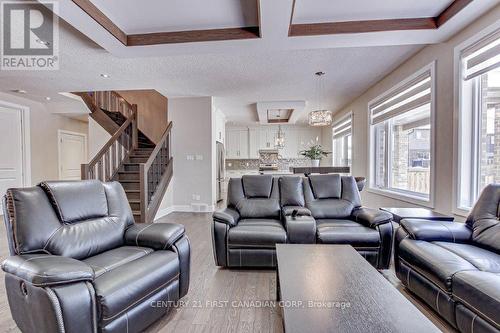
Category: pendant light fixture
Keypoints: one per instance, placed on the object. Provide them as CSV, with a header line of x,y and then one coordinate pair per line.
x,y
320,116
279,142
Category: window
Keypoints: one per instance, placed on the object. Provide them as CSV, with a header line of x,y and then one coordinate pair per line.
x,y
479,119
342,141
401,138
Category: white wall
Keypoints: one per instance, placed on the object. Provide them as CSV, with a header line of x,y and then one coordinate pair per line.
x,y
193,134
43,136
443,55
97,138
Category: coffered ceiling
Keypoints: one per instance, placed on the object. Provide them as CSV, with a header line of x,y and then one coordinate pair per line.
x,y
129,28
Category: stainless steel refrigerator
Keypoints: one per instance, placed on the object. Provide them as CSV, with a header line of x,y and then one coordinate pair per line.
x,y
220,169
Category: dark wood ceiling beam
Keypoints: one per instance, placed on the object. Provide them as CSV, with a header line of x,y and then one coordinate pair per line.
x,y
88,7
330,28
192,36
454,8
350,27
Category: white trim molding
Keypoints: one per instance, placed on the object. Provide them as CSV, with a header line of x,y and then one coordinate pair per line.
x,y
406,196
457,94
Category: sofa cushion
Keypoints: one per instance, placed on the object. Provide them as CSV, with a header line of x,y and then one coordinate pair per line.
x,y
330,208
486,233
77,201
331,231
326,186
258,208
256,233
291,191
120,289
257,186
436,263
483,259
114,258
479,291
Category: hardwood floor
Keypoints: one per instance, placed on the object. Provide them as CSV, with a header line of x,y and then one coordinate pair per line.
x,y
204,309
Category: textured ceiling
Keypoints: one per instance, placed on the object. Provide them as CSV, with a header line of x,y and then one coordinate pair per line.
x,y
358,10
236,80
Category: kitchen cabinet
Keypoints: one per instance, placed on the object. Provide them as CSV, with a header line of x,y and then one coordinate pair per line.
x,y
245,143
267,135
237,143
253,143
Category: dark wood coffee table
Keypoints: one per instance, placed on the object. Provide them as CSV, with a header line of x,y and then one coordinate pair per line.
x,y
416,213
332,288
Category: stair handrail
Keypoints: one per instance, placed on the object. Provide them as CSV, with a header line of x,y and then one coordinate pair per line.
x,y
116,150
155,174
108,100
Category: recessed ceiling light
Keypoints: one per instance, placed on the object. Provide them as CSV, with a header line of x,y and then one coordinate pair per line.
x,y
19,91
104,75
48,98
39,41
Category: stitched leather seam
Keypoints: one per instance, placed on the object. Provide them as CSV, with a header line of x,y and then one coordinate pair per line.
x,y
140,231
449,230
52,199
472,323
11,210
476,310
437,300
172,240
91,291
140,299
51,236
57,308
423,275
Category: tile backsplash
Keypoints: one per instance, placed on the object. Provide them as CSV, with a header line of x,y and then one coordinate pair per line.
x,y
253,164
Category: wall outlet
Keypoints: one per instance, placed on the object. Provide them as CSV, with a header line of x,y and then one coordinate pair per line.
x,y
196,197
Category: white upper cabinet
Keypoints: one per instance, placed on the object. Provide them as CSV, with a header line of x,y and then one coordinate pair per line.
x,y
253,143
244,143
237,143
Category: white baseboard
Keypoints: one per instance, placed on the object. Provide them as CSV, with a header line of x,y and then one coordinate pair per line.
x,y
183,209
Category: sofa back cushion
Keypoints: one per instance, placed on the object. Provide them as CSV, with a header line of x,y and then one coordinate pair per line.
x,y
326,186
324,204
255,196
47,218
291,191
76,201
484,219
257,186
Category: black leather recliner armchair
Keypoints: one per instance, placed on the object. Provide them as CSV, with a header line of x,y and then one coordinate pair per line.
x,y
327,210
455,267
80,264
245,233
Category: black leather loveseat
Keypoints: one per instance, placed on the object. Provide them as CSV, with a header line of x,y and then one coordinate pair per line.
x,y
327,208
455,267
80,264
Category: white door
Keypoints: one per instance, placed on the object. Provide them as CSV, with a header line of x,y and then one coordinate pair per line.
x,y
11,149
243,144
72,154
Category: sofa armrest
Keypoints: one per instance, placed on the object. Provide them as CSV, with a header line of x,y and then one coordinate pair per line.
x,y
227,216
158,236
371,217
46,270
432,231
301,211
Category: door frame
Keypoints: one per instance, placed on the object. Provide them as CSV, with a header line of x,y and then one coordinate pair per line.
x,y
25,140
60,132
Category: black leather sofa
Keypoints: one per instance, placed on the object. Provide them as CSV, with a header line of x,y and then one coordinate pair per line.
x,y
80,264
455,267
326,208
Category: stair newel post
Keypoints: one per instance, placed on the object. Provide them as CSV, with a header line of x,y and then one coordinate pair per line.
x,y
135,133
143,184
85,171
